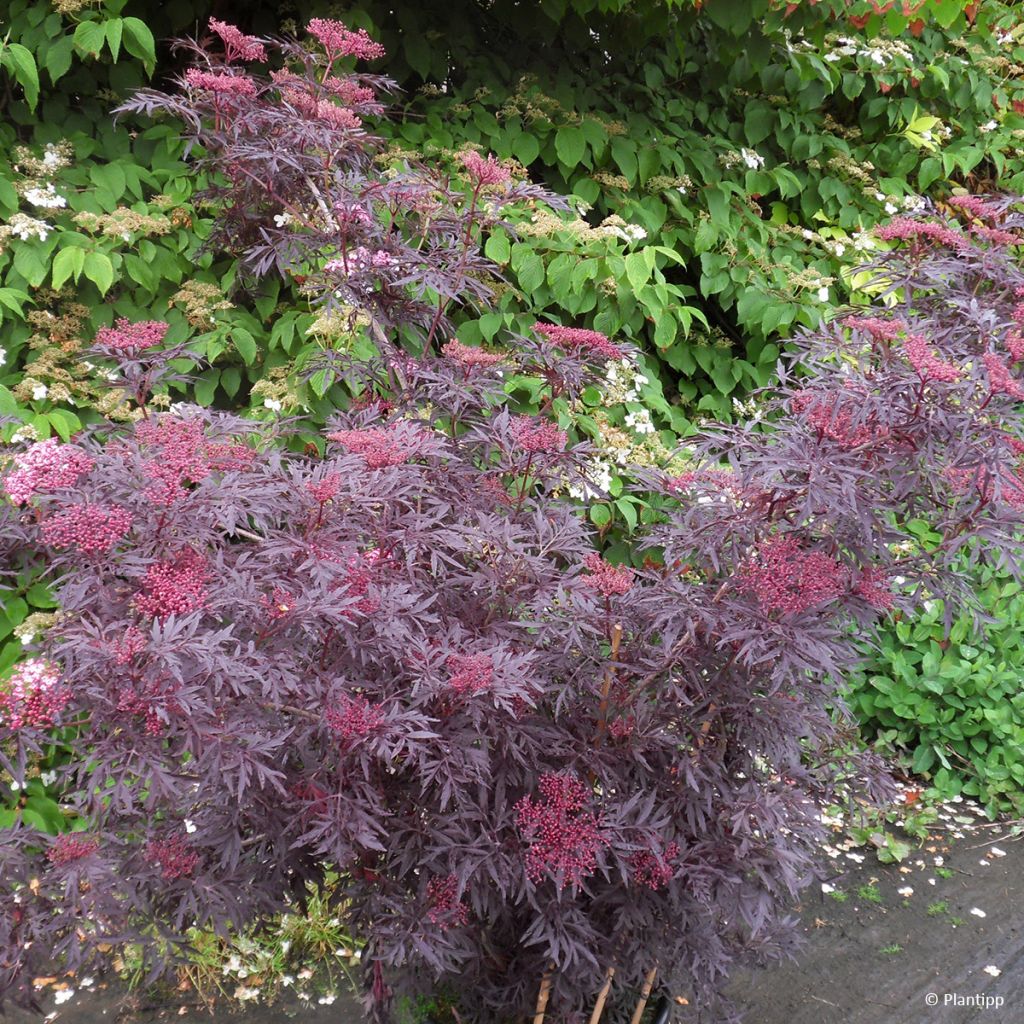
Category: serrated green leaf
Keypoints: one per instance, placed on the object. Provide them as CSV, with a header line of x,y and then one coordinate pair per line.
x,y
570,145
245,343
138,41
21,64
98,268
90,37
69,261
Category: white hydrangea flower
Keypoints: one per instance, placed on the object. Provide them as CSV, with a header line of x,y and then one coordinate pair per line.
x,y
48,198
823,294
989,126
752,159
272,404
28,227
39,392
891,208
282,219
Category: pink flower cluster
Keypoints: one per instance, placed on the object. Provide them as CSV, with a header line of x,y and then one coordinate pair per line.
x,y
996,236
90,528
879,329
33,695
469,356
564,838
537,437
974,205
173,857
126,337
131,703
278,604
324,489
579,340
830,421
607,579
723,479
353,718
379,446
906,229
1000,380
360,260
340,41
446,909
349,92
470,673
928,365
71,846
175,586
324,110
237,45
182,454
785,578
874,587
485,170
46,466
127,646
653,871
1015,344
225,85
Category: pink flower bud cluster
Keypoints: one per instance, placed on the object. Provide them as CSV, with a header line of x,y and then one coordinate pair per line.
x,y
996,236
71,846
340,41
225,85
359,260
131,703
173,857
349,92
785,578
1015,344
485,171
977,479
127,646
564,838
874,587
469,356
622,728
607,579
722,479
928,365
325,489
353,718
445,907
824,415
89,528
653,871
379,446
46,466
537,437
127,337
237,45
879,329
974,205
175,586
470,673
576,339
33,695
1000,380
906,229
341,118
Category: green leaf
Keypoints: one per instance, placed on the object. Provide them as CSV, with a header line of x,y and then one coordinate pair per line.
x,y
98,268
19,61
497,247
531,273
638,270
89,38
58,58
114,29
570,145
138,41
245,343
69,261
624,154
206,386
600,515
525,148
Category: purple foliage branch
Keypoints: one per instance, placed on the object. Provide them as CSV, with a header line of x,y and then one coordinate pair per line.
x,y
306,190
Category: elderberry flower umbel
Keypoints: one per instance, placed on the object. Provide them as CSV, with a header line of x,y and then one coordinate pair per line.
x,y
378,446
564,838
71,846
33,695
46,466
89,528
579,340
928,365
607,579
537,436
340,41
874,586
352,718
1000,380
485,170
786,579
224,85
879,329
237,45
653,871
470,673
445,907
175,586
126,337
906,229
173,857
470,357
